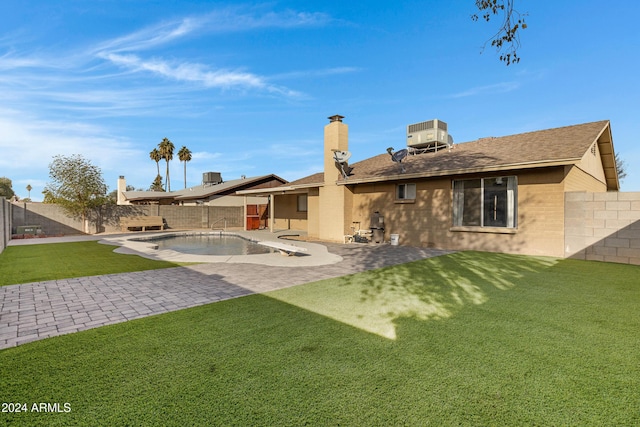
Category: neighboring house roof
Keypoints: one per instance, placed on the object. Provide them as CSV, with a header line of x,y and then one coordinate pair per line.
x,y
205,191
147,195
200,192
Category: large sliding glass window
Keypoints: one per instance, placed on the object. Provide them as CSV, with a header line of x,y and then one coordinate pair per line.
x,y
487,202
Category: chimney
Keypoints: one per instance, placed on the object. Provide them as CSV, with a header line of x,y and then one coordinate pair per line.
x,y
122,187
336,138
334,214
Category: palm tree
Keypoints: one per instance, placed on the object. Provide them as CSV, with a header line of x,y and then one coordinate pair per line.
x,y
185,156
166,148
29,188
156,157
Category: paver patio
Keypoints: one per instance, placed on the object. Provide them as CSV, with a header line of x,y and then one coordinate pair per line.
x,y
34,311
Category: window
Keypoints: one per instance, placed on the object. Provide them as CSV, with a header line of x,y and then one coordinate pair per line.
x,y
406,192
302,203
488,202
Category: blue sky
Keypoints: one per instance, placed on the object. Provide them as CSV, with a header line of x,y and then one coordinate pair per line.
x,y
248,87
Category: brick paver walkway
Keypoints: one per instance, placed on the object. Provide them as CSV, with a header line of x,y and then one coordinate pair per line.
x,y
34,311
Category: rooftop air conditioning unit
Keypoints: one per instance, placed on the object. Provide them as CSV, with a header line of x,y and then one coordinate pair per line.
x,y
431,134
211,178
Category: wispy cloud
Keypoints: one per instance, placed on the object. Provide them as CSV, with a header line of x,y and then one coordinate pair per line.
x,y
198,73
61,100
487,90
150,37
28,142
9,61
125,51
231,19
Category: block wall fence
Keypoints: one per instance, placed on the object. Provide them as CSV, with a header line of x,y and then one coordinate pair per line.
x,y
597,226
54,221
603,226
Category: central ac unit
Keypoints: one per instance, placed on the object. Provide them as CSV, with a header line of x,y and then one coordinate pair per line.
x,y
429,134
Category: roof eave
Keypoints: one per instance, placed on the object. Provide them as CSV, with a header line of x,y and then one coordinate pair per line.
x,y
457,172
608,156
278,190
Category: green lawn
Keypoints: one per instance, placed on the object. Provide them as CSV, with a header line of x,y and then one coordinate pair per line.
x,y
475,339
34,263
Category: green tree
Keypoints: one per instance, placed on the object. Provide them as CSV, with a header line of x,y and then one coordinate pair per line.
x,y
184,154
507,39
166,148
6,189
621,167
157,184
29,188
77,186
156,157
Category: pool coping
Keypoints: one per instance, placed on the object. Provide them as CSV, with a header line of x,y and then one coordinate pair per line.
x,y
315,255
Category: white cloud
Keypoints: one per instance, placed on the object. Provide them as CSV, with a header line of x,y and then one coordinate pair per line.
x,y
11,62
231,19
189,72
150,37
29,144
120,51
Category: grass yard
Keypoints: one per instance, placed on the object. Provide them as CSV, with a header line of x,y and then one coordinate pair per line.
x,y
34,263
477,339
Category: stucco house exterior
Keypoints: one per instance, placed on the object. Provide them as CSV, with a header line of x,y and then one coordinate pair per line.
x,y
504,194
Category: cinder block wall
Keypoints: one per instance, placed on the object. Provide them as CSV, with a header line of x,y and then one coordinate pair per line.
x,y
51,218
201,216
603,226
54,221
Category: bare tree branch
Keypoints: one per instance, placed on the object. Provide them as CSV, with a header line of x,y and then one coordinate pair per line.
x,y
507,39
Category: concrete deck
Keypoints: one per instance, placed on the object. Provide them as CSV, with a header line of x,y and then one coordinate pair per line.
x,y
35,311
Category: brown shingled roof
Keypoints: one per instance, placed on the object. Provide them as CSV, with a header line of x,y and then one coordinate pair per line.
x,y
563,145
316,178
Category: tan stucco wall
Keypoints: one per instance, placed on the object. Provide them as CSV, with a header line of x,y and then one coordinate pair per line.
x,y
423,223
591,164
287,216
578,179
335,211
313,214
428,221
540,213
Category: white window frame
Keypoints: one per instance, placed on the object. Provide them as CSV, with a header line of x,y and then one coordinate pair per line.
x,y
406,192
512,202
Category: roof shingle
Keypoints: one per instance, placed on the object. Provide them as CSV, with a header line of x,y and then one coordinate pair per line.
x,y
566,144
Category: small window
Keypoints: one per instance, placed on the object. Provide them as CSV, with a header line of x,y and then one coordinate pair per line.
x,y
302,203
406,192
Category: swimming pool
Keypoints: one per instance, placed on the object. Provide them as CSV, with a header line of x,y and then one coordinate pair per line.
x,y
208,244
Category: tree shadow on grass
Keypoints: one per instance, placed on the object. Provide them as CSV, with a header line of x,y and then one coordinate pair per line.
x,y
430,289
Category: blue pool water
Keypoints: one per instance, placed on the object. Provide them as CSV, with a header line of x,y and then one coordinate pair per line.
x,y
206,244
